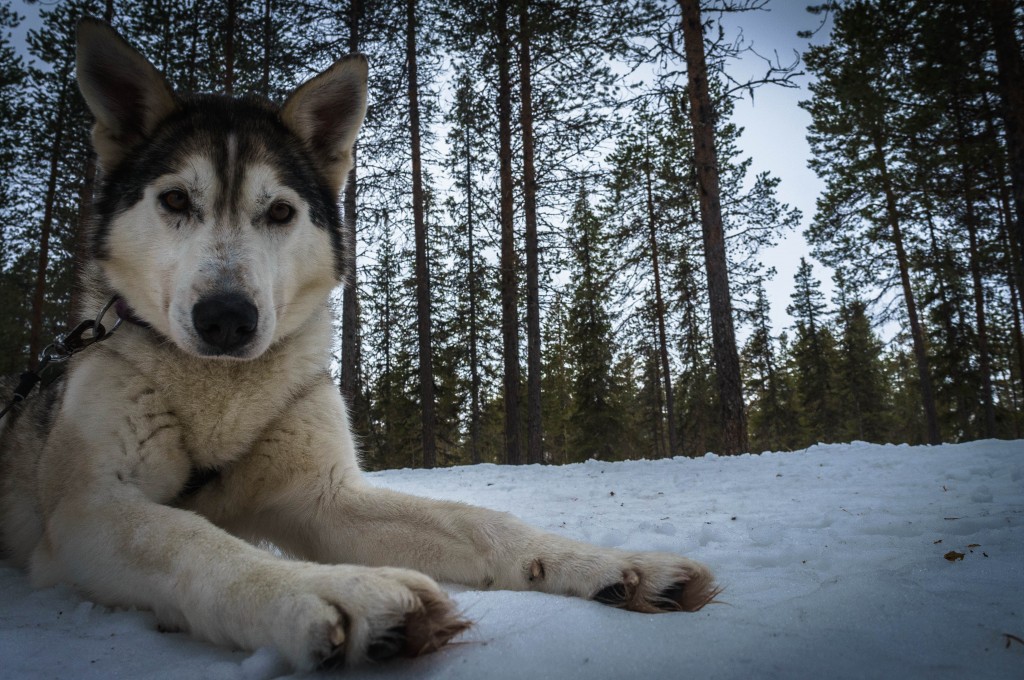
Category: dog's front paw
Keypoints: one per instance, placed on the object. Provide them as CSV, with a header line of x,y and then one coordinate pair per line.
x,y
660,582
341,616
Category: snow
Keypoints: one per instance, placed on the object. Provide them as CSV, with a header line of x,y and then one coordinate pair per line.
x,y
832,561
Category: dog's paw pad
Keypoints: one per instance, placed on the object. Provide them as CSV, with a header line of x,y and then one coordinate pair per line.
x,y
334,656
689,589
391,642
622,593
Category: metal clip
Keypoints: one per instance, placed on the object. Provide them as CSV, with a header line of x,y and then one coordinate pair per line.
x,y
62,349
99,318
69,344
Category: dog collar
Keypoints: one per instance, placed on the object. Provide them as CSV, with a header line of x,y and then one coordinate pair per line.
x,y
127,314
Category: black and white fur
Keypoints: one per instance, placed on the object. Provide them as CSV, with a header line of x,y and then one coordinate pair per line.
x,y
209,423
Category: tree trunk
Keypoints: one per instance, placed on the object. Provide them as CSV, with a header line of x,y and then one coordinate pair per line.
x,y
1010,71
1018,337
702,117
984,362
193,50
971,219
1014,274
349,303
474,290
36,326
1012,281
534,437
674,446
267,39
509,281
426,358
85,213
229,49
948,324
924,372
657,415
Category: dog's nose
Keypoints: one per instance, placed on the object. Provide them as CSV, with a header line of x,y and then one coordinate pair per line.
x,y
227,321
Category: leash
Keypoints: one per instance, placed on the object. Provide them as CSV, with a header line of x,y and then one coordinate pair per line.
x,y
65,347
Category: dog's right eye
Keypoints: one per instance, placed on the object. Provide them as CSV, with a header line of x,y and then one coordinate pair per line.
x,y
174,200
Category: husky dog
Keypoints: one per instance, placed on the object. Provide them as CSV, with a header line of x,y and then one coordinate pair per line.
x,y
208,423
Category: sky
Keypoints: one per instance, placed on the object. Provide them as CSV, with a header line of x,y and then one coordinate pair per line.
x,y
775,129
845,561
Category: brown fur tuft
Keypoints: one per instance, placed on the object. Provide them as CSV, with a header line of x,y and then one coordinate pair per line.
x,y
432,626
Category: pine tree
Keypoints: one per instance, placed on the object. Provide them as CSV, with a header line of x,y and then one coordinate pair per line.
x,y
814,357
509,259
557,384
953,82
652,212
474,310
394,437
1005,21
596,425
770,418
855,140
57,149
13,211
863,391
727,365
423,301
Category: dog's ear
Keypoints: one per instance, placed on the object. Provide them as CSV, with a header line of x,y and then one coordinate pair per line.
x,y
125,93
326,113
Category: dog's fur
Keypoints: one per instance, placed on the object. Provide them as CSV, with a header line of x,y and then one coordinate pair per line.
x,y
208,422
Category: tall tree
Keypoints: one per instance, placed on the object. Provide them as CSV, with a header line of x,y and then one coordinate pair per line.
x,y
85,199
814,357
509,264
13,210
771,416
854,143
1005,22
350,290
862,388
596,423
702,114
475,310
674,445
423,323
534,432
653,211
60,145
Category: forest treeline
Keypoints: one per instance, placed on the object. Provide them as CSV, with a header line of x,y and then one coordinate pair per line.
x,y
557,244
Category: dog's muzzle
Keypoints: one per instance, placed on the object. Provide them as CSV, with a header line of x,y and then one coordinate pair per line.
x,y
226,322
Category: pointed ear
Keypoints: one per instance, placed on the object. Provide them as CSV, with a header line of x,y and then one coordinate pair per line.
x,y
326,113
125,93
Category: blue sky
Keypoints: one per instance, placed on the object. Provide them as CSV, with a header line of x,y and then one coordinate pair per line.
x,y
775,134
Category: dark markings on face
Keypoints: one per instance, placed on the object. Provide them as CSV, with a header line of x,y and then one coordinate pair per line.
x,y
203,125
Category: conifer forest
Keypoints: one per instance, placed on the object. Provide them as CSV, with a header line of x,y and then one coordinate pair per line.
x,y
557,244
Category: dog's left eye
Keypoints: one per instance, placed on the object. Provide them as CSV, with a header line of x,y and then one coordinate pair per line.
x,y
174,200
280,212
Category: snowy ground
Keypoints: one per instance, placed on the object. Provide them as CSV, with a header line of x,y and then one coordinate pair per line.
x,y
832,559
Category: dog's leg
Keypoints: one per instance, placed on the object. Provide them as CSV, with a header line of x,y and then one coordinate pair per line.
x,y
106,532
128,551
475,546
317,507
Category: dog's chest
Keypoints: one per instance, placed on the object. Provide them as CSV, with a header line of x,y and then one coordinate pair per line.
x,y
220,410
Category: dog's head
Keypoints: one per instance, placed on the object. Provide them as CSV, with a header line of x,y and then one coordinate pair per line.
x,y
217,218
